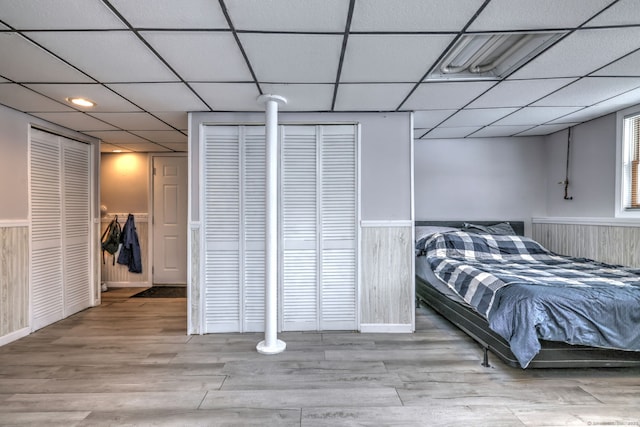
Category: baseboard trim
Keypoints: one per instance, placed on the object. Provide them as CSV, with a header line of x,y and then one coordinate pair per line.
x,y
386,328
13,336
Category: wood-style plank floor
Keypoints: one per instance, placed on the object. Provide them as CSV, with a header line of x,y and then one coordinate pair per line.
x,y
129,362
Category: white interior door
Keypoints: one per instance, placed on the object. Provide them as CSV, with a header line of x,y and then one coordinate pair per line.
x,y
170,220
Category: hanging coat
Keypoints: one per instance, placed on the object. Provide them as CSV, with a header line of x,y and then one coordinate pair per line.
x,y
130,249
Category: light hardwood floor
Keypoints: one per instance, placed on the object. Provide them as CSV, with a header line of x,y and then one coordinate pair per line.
x,y
129,362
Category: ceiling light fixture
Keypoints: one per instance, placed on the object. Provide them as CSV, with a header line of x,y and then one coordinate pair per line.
x,y
81,102
490,56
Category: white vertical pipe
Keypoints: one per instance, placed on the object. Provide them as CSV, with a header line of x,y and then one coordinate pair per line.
x,y
271,344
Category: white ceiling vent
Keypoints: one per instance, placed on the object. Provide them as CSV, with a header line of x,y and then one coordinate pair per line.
x,y
490,56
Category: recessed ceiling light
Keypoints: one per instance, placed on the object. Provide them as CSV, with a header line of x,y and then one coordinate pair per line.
x,y
117,151
81,102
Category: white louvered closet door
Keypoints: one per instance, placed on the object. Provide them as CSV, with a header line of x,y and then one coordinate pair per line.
x,y
60,234
338,230
299,228
234,199
253,226
47,298
75,223
319,227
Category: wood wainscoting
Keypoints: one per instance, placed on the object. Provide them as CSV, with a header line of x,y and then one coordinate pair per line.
x,y
387,285
14,282
606,242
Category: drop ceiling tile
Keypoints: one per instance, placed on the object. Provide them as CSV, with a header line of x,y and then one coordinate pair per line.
x,y
160,96
451,132
477,117
302,97
431,118
23,99
535,115
412,15
609,106
117,137
546,129
418,132
172,14
107,56
589,91
177,146
445,95
289,15
106,100
59,15
293,58
23,61
626,66
505,15
371,97
145,147
574,56
197,55
624,12
109,148
229,96
132,121
391,58
518,93
499,131
177,119
76,121
161,137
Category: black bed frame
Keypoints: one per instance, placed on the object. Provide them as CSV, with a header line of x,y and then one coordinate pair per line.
x,y
552,354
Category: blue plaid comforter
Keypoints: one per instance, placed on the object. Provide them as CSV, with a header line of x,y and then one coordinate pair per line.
x,y
528,293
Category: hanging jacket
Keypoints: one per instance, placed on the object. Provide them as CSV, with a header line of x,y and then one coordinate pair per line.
x,y
130,250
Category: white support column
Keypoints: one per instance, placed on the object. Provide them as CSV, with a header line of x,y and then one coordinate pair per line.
x,y
271,344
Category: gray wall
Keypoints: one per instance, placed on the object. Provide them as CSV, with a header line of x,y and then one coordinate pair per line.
x,y
482,179
385,156
14,160
14,184
592,170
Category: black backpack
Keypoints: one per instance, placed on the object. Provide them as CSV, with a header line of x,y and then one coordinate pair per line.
x,y
111,239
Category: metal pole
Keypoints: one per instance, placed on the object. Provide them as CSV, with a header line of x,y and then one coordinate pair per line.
x,y
271,344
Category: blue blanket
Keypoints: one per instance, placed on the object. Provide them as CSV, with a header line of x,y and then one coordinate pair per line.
x,y
528,293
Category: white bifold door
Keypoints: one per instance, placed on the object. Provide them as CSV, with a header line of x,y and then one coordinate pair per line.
x,y
60,227
318,220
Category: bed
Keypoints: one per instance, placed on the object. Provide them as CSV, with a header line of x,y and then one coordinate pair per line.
x,y
475,313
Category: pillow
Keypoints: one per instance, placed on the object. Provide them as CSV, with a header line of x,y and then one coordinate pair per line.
x,y
502,228
423,232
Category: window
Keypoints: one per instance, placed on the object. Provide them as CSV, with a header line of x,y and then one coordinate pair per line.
x,y
629,163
